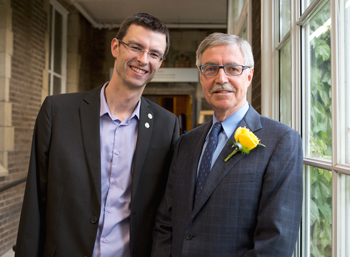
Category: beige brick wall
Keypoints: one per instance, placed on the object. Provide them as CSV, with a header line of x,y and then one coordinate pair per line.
x,y
20,99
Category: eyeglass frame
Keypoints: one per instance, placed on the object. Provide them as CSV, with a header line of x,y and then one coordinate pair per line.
x,y
140,50
223,67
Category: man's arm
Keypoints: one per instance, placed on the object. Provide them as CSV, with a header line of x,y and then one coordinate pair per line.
x,y
162,233
280,205
31,232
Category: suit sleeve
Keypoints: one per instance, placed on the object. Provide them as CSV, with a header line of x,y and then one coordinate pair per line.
x,y
162,233
31,232
280,205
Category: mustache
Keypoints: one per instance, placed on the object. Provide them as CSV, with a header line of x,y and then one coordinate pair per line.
x,y
225,87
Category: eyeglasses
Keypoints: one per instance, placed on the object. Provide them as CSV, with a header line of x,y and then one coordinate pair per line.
x,y
139,50
230,70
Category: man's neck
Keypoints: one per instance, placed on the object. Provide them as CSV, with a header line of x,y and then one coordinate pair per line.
x,y
121,102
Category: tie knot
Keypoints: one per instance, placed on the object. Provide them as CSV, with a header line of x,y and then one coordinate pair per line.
x,y
216,128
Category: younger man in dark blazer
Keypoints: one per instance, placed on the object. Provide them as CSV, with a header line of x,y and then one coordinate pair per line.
x,y
100,159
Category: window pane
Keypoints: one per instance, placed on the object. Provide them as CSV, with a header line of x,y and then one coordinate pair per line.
x,y
58,43
317,86
344,216
344,84
317,220
284,17
285,85
57,84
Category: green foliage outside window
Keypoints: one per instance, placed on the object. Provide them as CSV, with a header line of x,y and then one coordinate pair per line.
x,y
320,138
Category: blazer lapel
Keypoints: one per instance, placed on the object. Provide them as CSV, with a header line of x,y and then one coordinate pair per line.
x,y
143,142
188,179
220,168
90,126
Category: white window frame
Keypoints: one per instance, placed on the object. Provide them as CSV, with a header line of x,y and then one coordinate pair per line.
x,y
270,94
60,9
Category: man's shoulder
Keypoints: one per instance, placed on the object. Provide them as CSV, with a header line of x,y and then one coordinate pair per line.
x,y
73,98
277,129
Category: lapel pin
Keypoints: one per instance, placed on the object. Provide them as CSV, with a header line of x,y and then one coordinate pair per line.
x,y
150,116
147,125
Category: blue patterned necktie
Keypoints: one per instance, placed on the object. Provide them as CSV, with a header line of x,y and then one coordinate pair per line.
x,y
205,166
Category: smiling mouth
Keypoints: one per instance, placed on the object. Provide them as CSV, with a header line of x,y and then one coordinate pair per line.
x,y
223,89
138,70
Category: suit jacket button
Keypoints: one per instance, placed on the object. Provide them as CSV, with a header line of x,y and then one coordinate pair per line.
x,y
189,236
94,220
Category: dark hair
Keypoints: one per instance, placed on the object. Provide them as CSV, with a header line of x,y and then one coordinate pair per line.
x,y
147,21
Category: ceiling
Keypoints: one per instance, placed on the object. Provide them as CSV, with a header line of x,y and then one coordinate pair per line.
x,y
174,13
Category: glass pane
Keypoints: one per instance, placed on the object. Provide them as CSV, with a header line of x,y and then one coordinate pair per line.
x,y
50,52
284,17
344,84
344,216
244,29
317,131
58,43
305,4
57,82
317,214
285,85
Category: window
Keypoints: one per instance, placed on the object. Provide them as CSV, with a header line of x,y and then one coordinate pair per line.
x,y
58,48
306,85
242,26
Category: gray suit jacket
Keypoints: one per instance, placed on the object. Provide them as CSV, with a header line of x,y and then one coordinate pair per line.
x,y
249,206
61,205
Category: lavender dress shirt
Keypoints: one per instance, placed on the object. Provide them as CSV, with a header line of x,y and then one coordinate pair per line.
x,y
118,141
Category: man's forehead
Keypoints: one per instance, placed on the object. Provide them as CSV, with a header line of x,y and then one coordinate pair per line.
x,y
228,53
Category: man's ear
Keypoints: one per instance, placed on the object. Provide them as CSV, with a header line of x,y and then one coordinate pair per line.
x,y
250,75
114,47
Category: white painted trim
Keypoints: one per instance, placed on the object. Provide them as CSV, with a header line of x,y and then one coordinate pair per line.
x,y
60,9
269,94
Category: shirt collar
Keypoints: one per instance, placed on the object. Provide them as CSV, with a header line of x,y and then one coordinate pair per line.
x,y
229,125
104,109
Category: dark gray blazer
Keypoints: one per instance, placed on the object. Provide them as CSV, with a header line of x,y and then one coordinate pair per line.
x,y
249,206
61,205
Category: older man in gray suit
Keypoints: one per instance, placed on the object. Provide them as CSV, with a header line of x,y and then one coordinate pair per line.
x,y
219,204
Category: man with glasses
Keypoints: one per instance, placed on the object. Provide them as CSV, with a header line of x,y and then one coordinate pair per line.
x,y
229,194
100,159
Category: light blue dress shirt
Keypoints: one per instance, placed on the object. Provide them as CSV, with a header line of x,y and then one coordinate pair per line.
x,y
229,125
118,142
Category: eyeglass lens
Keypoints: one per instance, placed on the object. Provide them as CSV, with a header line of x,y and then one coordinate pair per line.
x,y
232,70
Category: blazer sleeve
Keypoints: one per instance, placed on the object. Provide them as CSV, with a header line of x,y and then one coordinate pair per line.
x,y
162,233
279,213
31,232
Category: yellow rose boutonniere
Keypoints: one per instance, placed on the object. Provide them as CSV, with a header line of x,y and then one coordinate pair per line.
x,y
245,141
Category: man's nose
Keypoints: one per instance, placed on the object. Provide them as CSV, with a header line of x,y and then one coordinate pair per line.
x,y
143,57
221,77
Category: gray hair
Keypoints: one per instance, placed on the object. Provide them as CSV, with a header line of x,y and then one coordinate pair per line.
x,y
226,39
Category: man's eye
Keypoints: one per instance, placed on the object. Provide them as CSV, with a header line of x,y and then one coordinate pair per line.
x,y
136,48
209,68
232,68
154,55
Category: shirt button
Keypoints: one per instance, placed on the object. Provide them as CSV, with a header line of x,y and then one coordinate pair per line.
x,y
116,152
104,240
109,210
114,182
